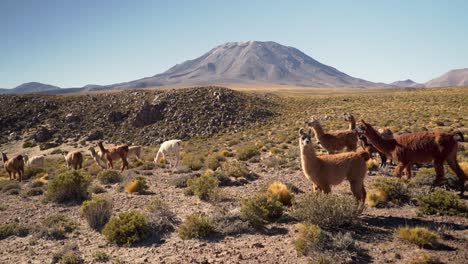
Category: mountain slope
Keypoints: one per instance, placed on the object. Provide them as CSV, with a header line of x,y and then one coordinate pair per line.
x,y
457,77
31,87
250,63
407,83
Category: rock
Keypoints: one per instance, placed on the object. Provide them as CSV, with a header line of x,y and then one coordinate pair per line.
x,y
148,114
95,135
71,118
116,116
42,134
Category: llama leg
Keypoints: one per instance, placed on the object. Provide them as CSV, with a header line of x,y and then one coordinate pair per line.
x,y
399,169
383,160
356,189
9,175
109,164
408,168
439,168
452,162
326,188
124,163
21,174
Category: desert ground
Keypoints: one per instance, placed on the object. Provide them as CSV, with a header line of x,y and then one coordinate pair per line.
x,y
232,151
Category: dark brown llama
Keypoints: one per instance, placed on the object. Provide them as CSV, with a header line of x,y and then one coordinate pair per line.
x,y
115,153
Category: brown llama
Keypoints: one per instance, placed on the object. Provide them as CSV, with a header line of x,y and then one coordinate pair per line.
x,y
14,166
352,122
74,159
364,142
335,141
115,153
420,147
327,170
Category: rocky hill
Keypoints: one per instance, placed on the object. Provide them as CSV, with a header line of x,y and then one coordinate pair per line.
x,y
135,116
457,77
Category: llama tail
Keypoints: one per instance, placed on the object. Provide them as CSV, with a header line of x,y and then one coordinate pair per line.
x,y
458,136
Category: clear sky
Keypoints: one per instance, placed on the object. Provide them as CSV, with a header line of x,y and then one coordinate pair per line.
x,y
71,43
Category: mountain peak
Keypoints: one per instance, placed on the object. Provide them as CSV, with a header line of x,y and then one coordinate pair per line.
x,y
456,77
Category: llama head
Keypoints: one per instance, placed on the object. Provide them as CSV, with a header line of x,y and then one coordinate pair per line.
x,y
4,157
367,129
386,133
348,117
314,122
25,158
305,137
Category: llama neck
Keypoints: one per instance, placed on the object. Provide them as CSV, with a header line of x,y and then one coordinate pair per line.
x,y
318,130
101,147
308,160
383,145
352,124
4,157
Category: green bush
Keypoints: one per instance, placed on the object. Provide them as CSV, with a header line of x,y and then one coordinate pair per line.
x,y
68,186
214,161
196,226
310,238
204,186
162,218
109,177
56,226
101,256
420,236
260,208
7,230
247,151
35,191
32,172
67,255
441,202
192,161
97,212
29,144
234,168
394,190
181,182
229,222
127,228
327,210
96,189
10,187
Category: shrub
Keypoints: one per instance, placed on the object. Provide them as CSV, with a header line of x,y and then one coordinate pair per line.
x,y
56,226
441,202
394,190
229,222
29,144
327,210
35,191
68,186
309,238
226,153
137,185
31,172
127,228
372,165
162,218
109,177
7,230
97,212
101,256
96,189
204,186
247,151
196,225
67,255
214,161
420,236
192,161
10,187
281,191
36,183
376,198
234,168
181,182
260,208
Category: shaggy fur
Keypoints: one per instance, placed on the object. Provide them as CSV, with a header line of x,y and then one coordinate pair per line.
x,y
327,170
36,161
98,157
334,141
420,147
115,153
167,148
364,142
134,151
14,166
74,160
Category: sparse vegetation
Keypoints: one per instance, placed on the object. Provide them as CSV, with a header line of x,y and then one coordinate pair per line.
x,y
193,161
327,210
127,228
214,161
97,212
390,191
247,151
32,172
280,192
70,186
56,226
137,185
13,229
424,259
441,202
101,256
109,177
420,236
162,218
205,186
196,225
234,168
67,255
261,208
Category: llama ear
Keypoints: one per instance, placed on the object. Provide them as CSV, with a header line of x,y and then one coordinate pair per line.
x,y
310,131
301,131
364,122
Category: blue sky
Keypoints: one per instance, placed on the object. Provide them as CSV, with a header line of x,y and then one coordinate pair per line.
x,y
74,43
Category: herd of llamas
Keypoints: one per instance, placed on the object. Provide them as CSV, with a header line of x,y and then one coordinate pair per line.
x,y
323,171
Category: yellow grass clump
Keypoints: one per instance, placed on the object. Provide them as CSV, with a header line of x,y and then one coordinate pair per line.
x,y
375,197
420,236
281,191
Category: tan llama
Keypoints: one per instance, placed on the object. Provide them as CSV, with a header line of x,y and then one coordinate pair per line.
x,y
335,141
14,166
328,170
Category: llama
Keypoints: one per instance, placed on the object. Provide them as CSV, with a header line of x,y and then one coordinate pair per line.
x,y
36,161
98,157
420,147
327,170
14,166
115,153
352,122
167,148
364,142
334,141
74,159
135,151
